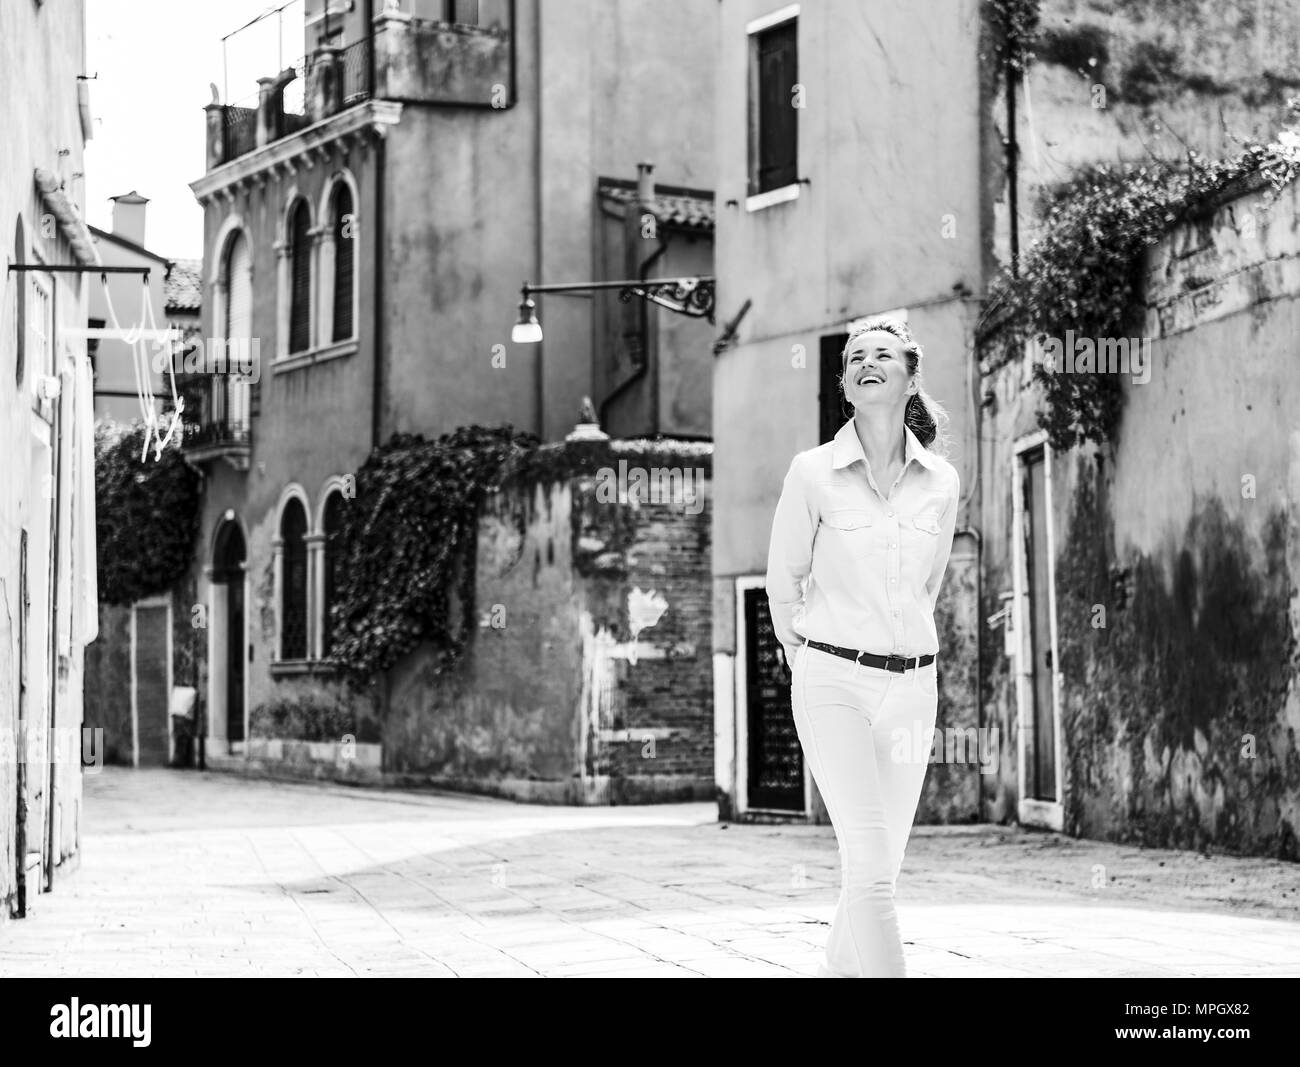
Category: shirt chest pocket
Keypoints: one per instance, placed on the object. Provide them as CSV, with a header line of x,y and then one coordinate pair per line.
x,y
920,536
927,524
849,528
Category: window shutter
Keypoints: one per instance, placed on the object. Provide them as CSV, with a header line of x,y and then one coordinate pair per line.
x,y
344,246
777,117
231,398
300,292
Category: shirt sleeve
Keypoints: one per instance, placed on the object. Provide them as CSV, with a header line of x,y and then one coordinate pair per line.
x,y
947,527
789,555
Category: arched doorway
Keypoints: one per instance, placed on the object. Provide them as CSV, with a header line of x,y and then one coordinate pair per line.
x,y
229,648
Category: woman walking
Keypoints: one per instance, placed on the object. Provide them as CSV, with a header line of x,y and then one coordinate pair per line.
x,y
860,542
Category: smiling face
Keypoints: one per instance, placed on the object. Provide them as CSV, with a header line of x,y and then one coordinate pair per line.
x,y
876,372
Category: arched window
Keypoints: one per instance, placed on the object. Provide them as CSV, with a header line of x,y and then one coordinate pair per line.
x,y
300,278
293,581
344,230
332,525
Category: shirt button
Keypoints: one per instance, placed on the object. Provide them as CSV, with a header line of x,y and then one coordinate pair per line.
x,y
891,514
892,544
892,580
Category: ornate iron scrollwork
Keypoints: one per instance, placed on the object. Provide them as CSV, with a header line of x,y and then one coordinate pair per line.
x,y
686,296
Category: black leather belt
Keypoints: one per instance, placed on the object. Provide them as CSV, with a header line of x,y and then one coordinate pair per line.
x,y
897,664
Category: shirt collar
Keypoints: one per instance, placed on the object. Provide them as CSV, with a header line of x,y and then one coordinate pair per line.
x,y
847,448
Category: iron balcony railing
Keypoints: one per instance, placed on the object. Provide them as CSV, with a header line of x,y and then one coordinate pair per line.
x,y
223,417
354,62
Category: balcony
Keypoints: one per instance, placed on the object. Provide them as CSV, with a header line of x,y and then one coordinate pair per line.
x,y
222,425
404,59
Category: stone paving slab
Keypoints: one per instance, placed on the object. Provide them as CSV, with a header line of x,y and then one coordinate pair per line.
x,y
186,874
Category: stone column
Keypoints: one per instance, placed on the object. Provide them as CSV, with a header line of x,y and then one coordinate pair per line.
x,y
316,621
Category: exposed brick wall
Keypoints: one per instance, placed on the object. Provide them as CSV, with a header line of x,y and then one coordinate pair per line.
x,y
548,704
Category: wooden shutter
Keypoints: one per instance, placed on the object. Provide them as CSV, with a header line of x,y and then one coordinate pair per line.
x,y
777,116
231,398
300,286
344,245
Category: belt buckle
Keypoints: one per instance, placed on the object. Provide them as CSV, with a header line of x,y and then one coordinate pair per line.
x,y
901,662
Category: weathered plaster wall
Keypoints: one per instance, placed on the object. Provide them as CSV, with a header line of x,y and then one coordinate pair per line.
x,y
883,221
1169,75
549,704
1180,713
42,50
108,673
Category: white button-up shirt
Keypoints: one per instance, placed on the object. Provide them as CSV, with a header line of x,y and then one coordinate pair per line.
x,y
855,566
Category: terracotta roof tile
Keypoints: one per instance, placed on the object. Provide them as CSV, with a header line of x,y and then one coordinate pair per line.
x,y
183,289
690,209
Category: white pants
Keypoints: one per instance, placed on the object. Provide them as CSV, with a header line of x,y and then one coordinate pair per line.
x,y
851,721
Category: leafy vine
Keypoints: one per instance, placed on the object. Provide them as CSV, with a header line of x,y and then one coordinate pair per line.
x,y
146,515
407,545
1015,29
1082,273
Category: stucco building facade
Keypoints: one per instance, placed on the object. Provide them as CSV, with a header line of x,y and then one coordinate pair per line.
x,y
1139,655
863,196
370,247
47,506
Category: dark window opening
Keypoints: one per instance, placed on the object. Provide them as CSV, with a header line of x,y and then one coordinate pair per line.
x,y
834,409
344,257
333,521
774,118
293,610
463,11
300,270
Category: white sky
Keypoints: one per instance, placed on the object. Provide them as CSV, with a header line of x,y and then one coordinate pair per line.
x,y
155,59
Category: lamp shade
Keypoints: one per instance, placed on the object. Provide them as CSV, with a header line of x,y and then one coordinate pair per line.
x,y
527,331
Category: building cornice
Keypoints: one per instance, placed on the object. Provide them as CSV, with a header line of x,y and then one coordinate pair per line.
x,y
71,223
299,150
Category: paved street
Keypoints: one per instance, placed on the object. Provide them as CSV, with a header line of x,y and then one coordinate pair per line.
x,y
202,874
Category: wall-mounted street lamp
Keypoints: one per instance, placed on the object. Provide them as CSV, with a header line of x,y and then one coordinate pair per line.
x,y
693,297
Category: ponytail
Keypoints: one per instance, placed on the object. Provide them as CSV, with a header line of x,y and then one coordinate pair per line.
x,y
926,418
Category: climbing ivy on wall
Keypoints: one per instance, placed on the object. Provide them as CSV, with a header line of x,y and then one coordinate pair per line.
x,y
1014,31
146,514
407,547
1082,273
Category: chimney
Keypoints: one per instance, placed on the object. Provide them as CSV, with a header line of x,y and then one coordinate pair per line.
x,y
128,216
645,185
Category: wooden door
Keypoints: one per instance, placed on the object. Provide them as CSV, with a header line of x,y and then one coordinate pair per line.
x,y
1040,746
235,659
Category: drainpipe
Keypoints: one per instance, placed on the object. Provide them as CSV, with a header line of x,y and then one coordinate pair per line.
x,y
24,724
377,249
1013,153
368,13
645,196
538,208
47,846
